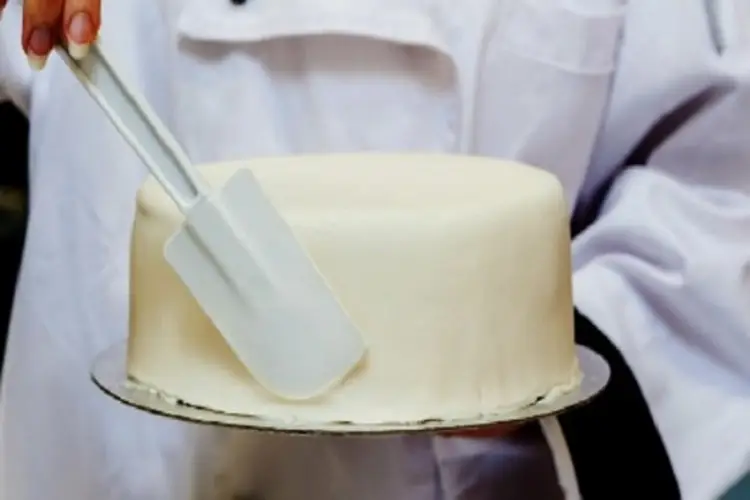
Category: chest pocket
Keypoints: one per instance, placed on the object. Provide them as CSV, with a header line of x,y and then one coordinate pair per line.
x,y
302,76
544,83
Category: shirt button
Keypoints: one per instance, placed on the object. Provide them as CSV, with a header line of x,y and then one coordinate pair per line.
x,y
238,2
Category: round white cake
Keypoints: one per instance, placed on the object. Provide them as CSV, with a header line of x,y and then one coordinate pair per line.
x,y
456,269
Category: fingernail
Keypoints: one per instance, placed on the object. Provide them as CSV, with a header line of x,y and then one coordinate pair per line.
x,y
40,45
80,34
78,51
36,62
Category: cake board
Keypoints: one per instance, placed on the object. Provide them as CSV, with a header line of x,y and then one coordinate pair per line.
x,y
109,374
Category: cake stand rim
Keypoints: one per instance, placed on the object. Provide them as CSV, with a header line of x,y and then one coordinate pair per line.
x,y
108,373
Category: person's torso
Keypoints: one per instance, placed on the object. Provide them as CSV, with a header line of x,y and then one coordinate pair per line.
x,y
521,79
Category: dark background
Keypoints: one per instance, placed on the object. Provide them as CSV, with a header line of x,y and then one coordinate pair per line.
x,y
13,208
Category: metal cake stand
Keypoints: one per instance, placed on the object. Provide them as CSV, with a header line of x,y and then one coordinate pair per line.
x,y
109,374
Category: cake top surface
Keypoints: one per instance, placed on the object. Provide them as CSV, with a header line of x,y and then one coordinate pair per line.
x,y
377,182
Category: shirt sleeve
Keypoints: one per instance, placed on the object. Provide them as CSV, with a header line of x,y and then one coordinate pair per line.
x,y
662,265
15,73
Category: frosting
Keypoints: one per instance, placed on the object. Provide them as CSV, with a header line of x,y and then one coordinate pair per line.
x,y
456,269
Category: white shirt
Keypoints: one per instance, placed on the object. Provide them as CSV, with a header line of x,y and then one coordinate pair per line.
x,y
568,85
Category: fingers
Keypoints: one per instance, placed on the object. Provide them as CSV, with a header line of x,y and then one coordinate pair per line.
x,y
81,19
41,29
75,23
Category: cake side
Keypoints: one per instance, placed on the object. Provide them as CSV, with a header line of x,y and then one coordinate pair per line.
x,y
437,259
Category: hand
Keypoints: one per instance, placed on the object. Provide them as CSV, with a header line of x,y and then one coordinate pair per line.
x,y
46,23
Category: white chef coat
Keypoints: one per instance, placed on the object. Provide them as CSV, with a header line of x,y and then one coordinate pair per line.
x,y
568,85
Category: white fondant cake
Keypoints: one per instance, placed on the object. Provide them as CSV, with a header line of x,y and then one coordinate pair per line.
x,y
456,269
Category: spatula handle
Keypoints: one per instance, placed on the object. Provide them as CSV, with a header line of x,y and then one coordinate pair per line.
x,y
138,124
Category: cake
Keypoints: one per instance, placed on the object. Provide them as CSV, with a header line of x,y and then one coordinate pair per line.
x,y
456,270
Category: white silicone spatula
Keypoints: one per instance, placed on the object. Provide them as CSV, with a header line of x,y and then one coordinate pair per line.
x,y
236,255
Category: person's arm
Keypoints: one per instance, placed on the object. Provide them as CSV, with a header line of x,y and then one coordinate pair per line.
x,y
662,276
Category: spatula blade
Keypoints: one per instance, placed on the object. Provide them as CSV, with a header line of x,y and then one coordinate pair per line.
x,y
253,279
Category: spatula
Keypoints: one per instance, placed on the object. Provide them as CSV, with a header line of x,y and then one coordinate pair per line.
x,y
236,255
